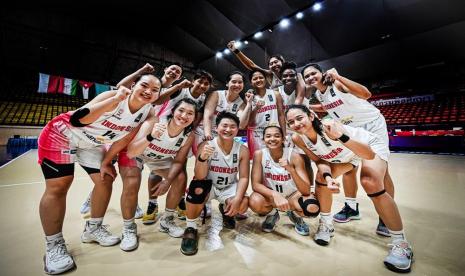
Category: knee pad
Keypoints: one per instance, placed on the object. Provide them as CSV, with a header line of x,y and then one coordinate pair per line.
x,y
304,204
377,193
194,198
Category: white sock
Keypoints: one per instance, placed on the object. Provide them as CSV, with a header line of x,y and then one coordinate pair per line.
x,y
352,202
128,222
153,200
169,212
326,218
95,222
54,237
397,235
192,222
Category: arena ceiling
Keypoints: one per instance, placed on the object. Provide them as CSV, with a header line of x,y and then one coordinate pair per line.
x,y
364,38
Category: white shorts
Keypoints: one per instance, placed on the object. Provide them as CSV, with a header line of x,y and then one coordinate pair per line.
x,y
91,157
379,128
223,194
161,164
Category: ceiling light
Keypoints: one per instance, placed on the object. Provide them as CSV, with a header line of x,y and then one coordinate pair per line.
x,y
246,42
219,55
299,15
226,52
238,44
284,23
258,35
317,6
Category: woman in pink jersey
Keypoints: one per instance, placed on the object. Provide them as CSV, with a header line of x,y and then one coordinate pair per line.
x,y
337,149
280,182
113,116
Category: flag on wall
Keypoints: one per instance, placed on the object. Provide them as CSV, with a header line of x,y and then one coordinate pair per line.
x,y
43,83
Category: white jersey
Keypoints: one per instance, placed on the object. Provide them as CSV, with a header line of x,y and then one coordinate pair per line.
x,y
111,126
164,147
347,108
185,93
268,113
275,176
290,99
275,82
224,105
335,151
223,169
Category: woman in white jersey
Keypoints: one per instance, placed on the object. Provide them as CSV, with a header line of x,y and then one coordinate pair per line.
x,y
337,149
221,173
280,182
163,146
346,102
264,111
80,135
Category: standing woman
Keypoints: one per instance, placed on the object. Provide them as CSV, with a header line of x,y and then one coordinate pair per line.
x,y
337,149
280,181
80,136
346,102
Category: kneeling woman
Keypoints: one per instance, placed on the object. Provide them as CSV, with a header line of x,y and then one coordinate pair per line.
x,y
280,181
337,149
163,146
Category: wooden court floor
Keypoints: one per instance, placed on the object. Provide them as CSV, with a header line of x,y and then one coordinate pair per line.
x,y
430,192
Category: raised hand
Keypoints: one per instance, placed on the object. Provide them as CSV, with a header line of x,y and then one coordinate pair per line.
x,y
333,129
207,151
158,130
122,93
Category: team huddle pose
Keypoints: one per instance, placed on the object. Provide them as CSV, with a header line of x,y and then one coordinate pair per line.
x,y
161,122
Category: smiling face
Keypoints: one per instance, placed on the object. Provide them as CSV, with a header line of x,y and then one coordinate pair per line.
x,y
146,89
275,64
201,85
298,120
227,129
312,76
173,72
258,80
236,84
289,77
184,115
273,138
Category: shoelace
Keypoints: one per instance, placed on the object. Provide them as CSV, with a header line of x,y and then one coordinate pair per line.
x,y
324,228
129,232
58,251
398,250
102,231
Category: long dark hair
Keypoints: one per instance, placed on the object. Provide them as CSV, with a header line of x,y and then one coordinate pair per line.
x,y
316,123
177,104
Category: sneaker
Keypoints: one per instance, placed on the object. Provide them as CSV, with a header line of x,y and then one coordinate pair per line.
x,y
57,259
190,242
99,234
382,230
400,257
299,224
347,214
167,225
151,214
85,207
208,208
228,222
241,216
270,222
129,239
324,234
139,212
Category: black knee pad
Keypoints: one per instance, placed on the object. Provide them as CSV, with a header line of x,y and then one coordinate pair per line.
x,y
304,204
205,185
377,193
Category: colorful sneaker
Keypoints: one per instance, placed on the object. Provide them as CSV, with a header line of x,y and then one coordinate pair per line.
x,y
299,224
129,239
85,207
324,233
167,225
382,230
99,234
270,222
139,212
208,208
400,257
228,222
347,214
151,215
190,241
57,259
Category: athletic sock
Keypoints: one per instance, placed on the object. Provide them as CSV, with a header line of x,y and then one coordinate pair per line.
x,y
352,202
192,222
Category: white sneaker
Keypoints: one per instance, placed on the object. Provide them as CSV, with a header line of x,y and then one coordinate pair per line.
x,y
99,234
129,239
85,207
400,257
324,233
57,259
167,225
139,212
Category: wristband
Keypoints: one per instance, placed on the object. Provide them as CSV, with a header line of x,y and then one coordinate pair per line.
x,y
344,138
236,51
327,174
150,137
200,159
